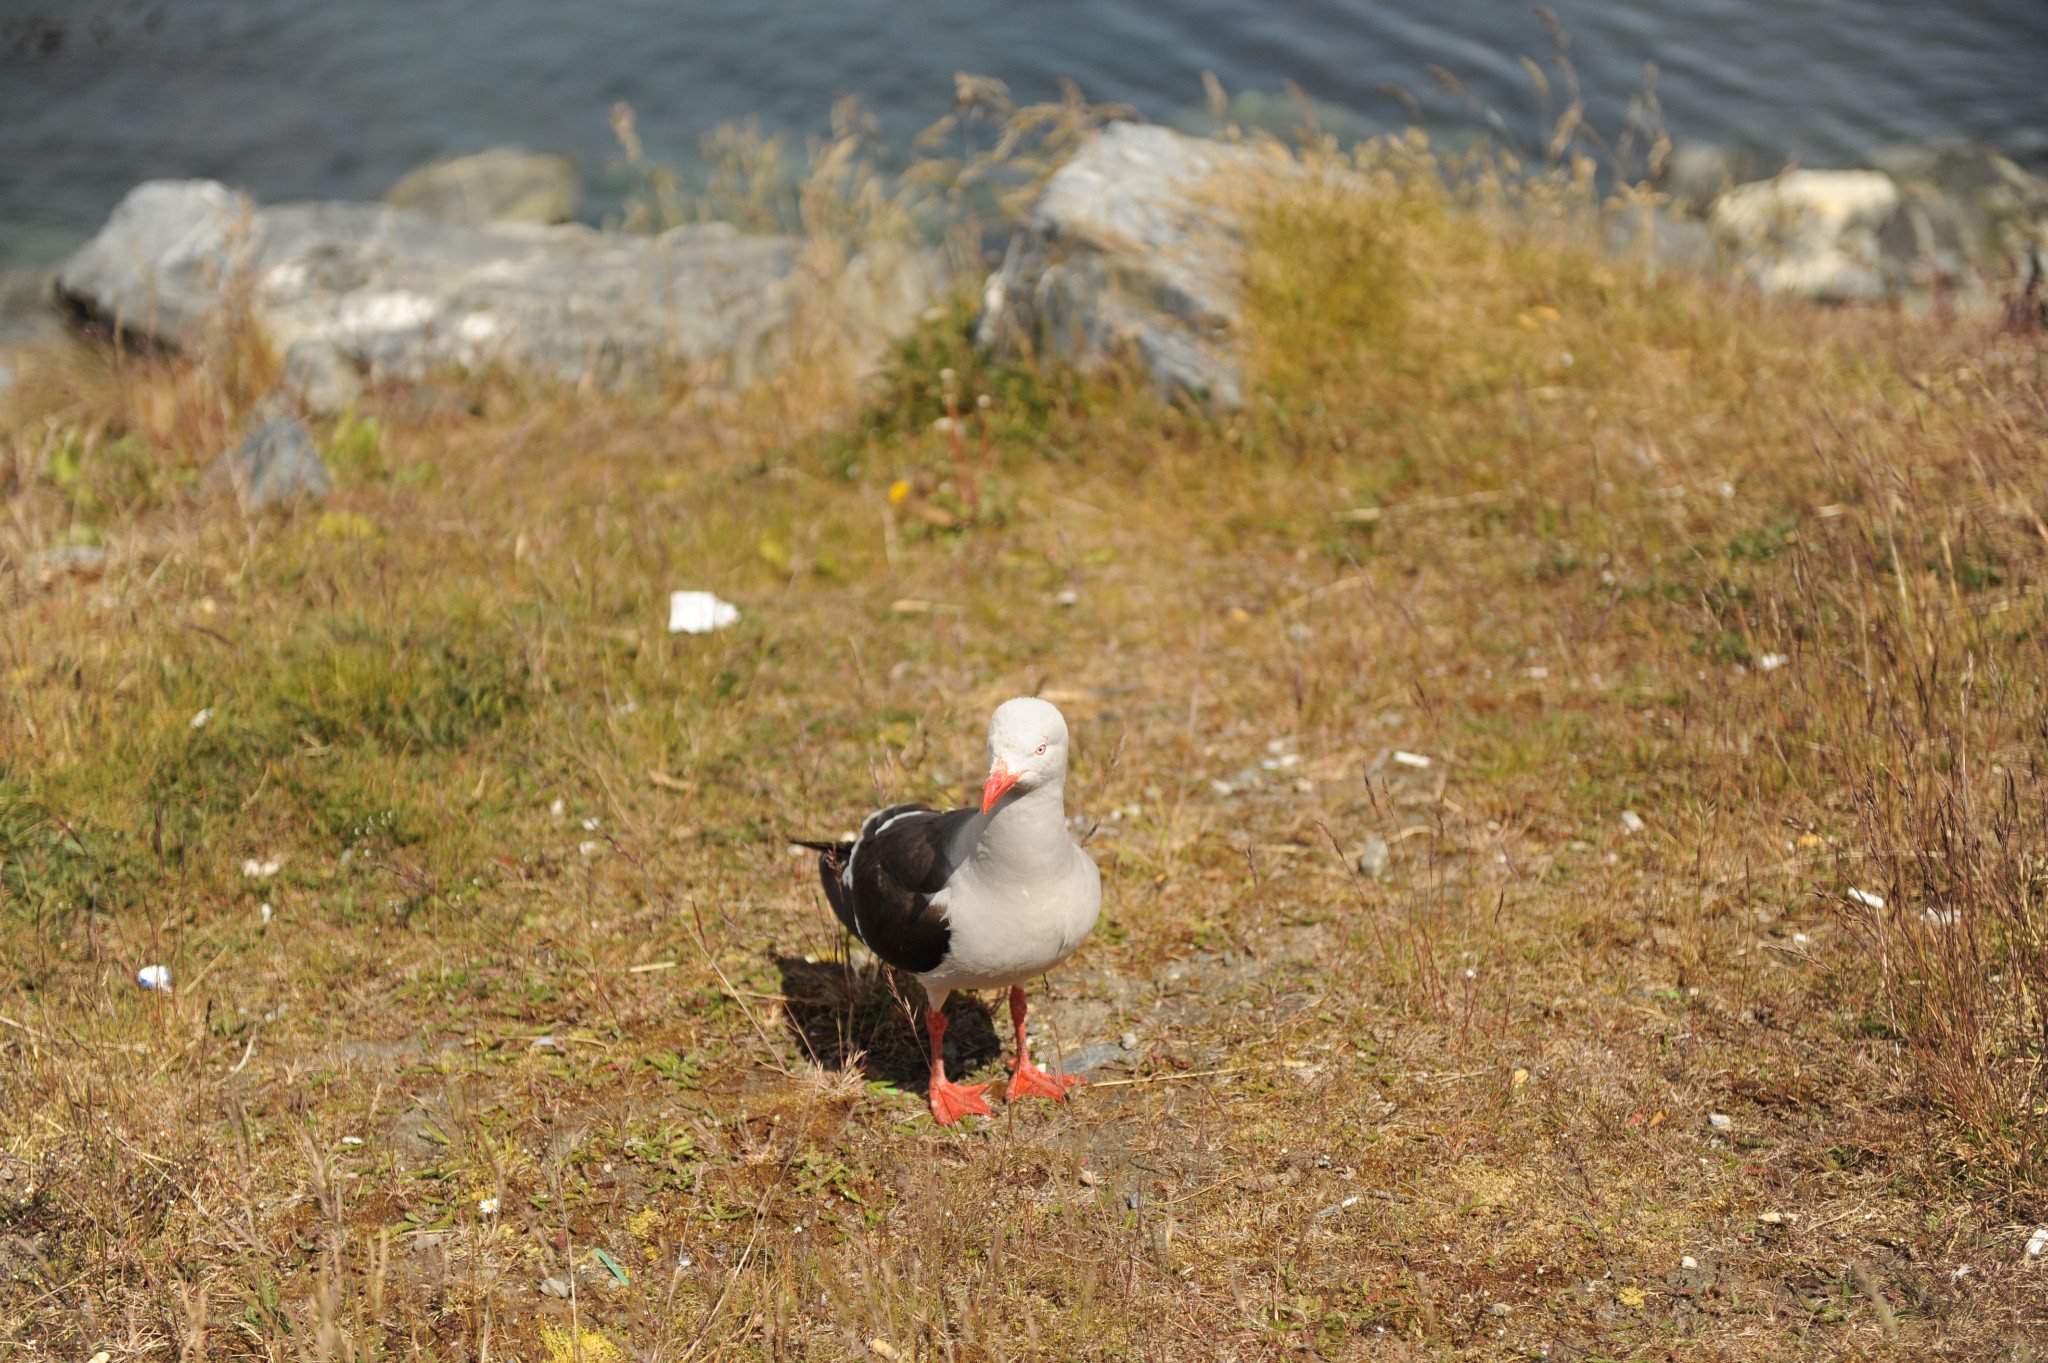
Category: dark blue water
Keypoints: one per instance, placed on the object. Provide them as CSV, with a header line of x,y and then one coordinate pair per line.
x,y
295,98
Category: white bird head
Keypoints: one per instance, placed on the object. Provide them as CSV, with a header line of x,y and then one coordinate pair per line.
x,y
1027,748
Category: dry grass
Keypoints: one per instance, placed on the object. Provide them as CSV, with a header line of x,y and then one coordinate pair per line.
x,y
541,978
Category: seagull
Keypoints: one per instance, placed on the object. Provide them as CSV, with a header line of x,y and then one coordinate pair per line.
x,y
975,898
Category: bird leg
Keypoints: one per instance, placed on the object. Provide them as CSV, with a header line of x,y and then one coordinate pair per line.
x,y
950,1101
1029,1081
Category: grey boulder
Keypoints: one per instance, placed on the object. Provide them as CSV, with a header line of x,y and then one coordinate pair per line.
x,y
1129,250
276,463
504,184
1965,212
391,293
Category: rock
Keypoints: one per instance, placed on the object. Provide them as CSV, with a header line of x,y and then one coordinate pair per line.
x,y
1375,858
1094,1057
1127,251
1966,213
25,312
504,184
397,295
1690,1278
1696,174
1952,218
1664,242
1810,233
276,462
321,377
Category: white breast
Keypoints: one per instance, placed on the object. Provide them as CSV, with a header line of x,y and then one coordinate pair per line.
x,y
1007,932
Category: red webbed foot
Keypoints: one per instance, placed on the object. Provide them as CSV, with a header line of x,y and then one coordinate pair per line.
x,y
1029,1081
951,1101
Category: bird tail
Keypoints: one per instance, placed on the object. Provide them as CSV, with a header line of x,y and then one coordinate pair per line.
x,y
832,857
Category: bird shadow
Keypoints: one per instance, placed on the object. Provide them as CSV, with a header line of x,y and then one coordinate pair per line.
x,y
866,1015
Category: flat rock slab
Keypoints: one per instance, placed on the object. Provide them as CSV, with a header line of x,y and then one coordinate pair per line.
x,y
1132,249
396,294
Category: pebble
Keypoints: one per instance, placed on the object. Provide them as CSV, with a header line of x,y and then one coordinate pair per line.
x,y
1129,1041
882,1348
554,1287
2038,1245
1089,1178
1720,1121
1688,1262
1867,899
1632,822
1374,858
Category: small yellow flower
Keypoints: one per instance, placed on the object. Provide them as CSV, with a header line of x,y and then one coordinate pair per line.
x,y
899,491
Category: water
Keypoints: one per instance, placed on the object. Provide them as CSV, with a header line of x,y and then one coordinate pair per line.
x,y
299,98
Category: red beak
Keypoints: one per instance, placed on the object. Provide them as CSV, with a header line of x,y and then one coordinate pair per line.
x,y
998,784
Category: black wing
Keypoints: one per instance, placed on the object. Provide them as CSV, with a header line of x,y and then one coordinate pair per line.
x,y
881,884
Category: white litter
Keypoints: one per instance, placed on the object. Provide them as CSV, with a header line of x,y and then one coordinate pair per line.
x,y
1941,918
266,911
699,613
199,721
1867,899
351,1140
1688,1262
2037,1245
261,870
1632,822
1771,662
591,848
590,825
154,977
1411,759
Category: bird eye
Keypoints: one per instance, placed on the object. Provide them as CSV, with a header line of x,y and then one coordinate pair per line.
x,y
1040,752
